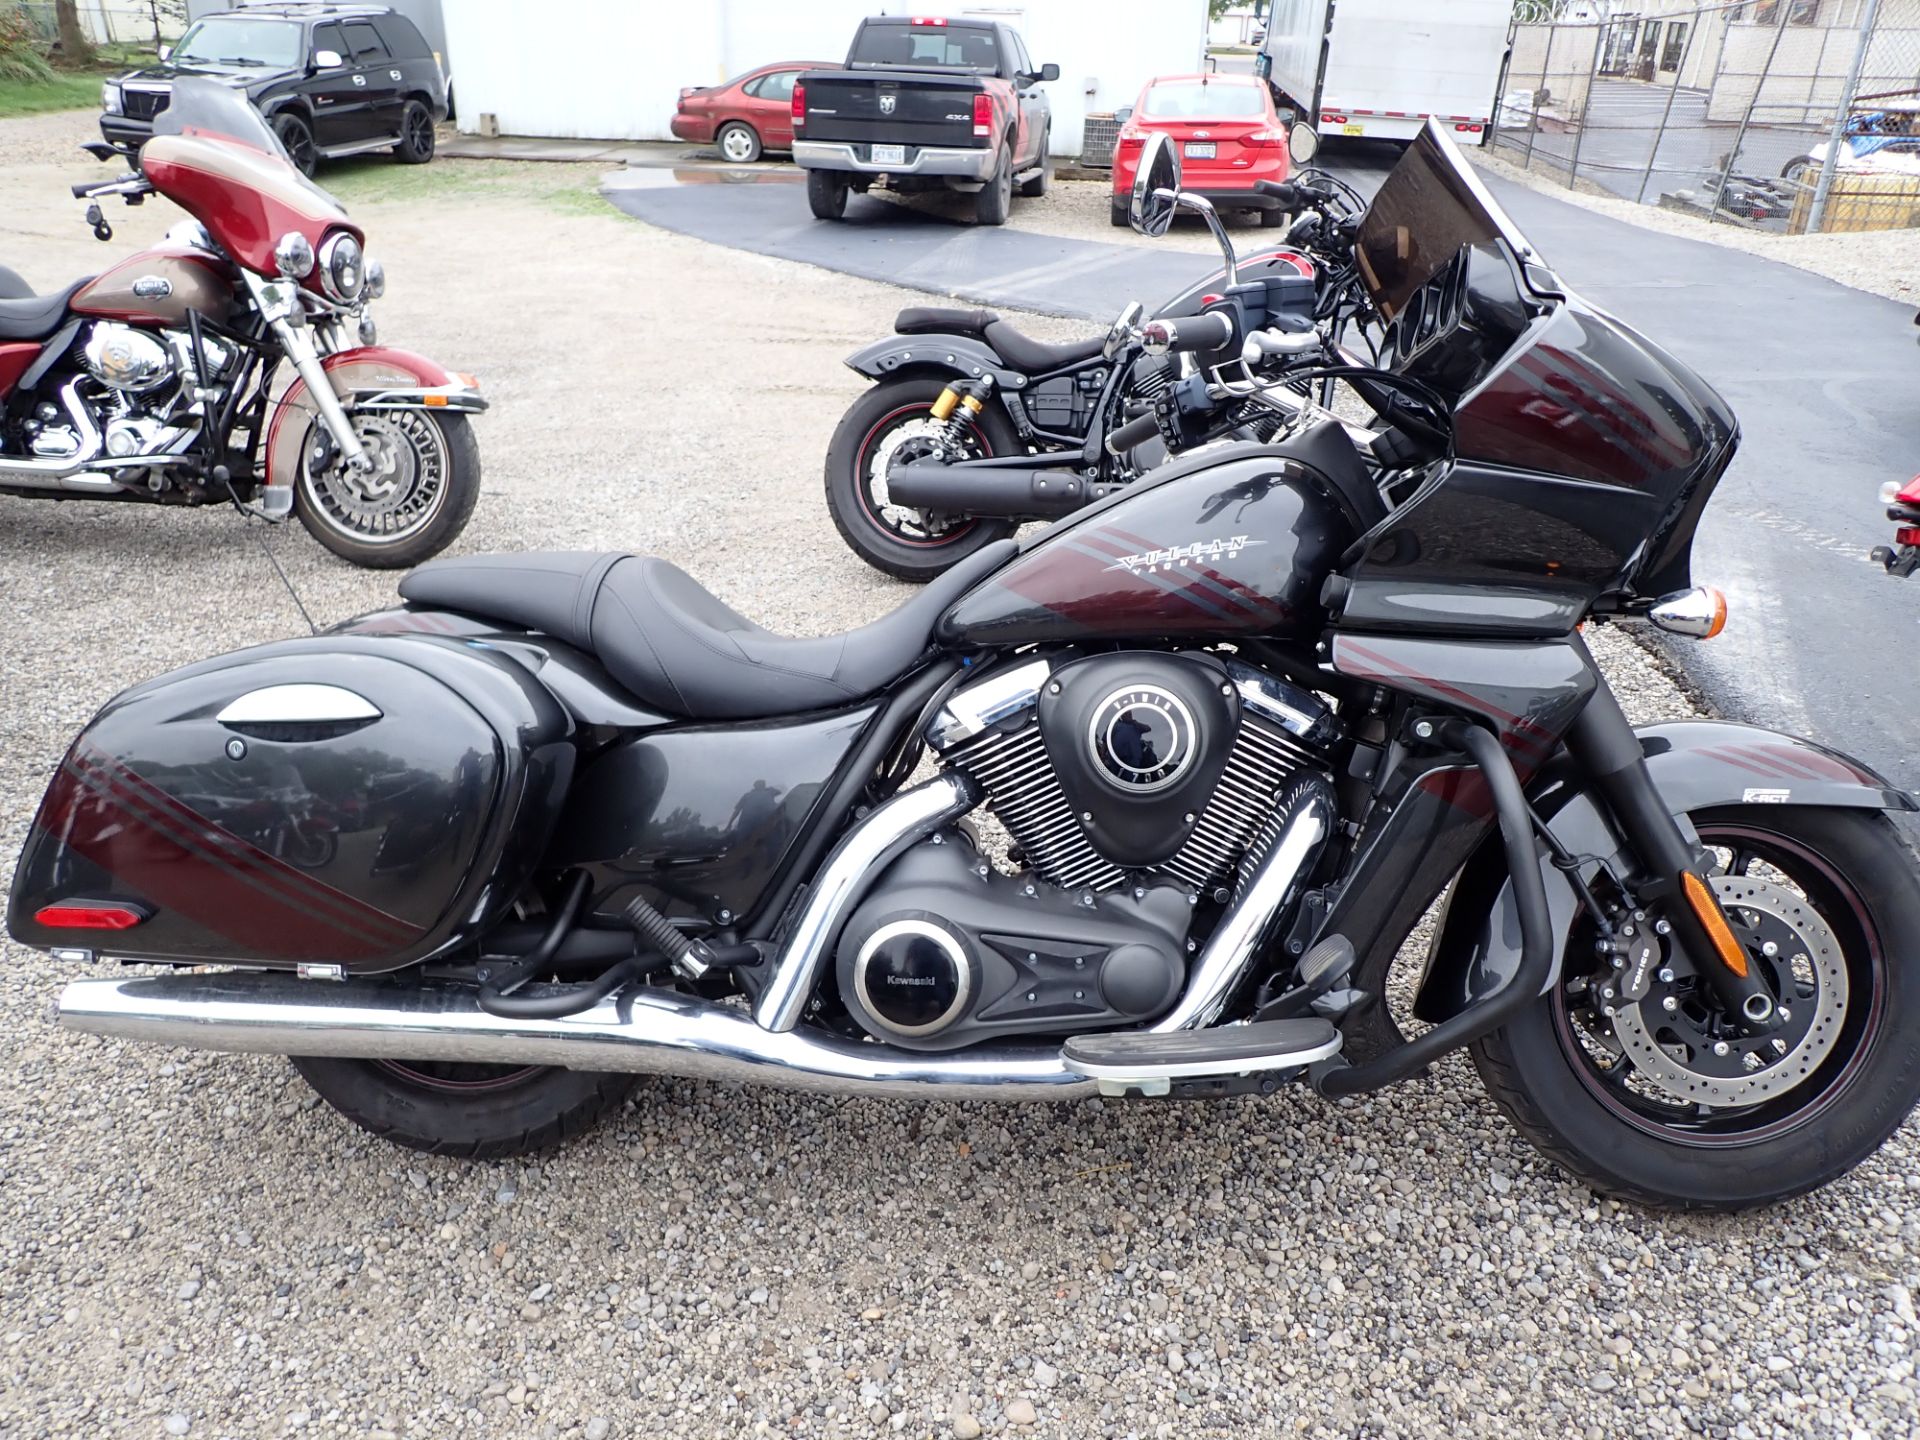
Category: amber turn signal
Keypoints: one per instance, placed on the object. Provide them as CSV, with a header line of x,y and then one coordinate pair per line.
x,y
1699,613
1715,924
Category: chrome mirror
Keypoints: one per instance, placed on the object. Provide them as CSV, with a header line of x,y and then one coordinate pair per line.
x,y
1156,186
1303,142
327,60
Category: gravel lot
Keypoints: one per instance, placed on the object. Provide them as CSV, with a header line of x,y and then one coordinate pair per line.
x,y
192,1245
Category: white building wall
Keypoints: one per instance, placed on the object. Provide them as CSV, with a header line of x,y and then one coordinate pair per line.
x,y
616,67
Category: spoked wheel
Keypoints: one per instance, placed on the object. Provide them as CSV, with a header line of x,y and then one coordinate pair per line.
x,y
1667,1100
891,425
296,138
418,495
452,1108
738,143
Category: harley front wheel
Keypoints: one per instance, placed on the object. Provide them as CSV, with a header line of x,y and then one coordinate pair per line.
x,y
1667,1100
413,502
893,424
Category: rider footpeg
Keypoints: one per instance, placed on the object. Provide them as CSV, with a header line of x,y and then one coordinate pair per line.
x,y
1153,1064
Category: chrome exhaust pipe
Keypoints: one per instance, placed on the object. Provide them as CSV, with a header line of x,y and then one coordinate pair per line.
x,y
649,1031
657,1031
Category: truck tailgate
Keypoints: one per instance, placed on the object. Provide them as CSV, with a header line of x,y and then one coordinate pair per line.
x,y
892,106
1412,57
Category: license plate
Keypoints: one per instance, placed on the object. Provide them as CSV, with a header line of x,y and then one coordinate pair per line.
x,y
1202,150
889,155
1353,128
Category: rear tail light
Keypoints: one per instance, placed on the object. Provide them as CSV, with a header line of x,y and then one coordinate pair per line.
x,y
89,915
982,115
1907,535
1258,138
799,106
928,20
1130,142
1331,119
1468,129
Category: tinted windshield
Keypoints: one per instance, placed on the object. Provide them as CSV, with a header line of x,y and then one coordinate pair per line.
x,y
233,40
1193,99
1430,207
206,109
917,46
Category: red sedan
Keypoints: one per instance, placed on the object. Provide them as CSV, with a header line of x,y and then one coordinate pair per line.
x,y
750,113
1229,136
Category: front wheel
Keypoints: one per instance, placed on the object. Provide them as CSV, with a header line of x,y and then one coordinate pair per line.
x,y
995,201
893,424
296,138
1036,186
738,143
410,506
480,1112
1666,1101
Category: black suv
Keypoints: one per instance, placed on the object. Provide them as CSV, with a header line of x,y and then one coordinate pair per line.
x,y
332,80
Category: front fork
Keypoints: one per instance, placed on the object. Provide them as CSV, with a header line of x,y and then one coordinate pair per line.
x,y
1674,876
279,304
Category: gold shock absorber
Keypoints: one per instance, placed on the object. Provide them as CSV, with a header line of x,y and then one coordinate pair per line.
x,y
943,406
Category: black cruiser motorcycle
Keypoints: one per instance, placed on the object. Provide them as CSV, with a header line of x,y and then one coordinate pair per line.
x,y
563,818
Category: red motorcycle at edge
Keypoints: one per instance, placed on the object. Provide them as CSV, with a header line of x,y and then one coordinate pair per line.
x,y
157,379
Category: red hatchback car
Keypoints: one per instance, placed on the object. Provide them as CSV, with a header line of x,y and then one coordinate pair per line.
x,y
1229,136
747,115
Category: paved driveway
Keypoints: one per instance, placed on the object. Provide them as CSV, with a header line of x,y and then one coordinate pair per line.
x,y
1825,379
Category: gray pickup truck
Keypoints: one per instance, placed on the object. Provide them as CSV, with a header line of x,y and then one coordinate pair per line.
x,y
926,104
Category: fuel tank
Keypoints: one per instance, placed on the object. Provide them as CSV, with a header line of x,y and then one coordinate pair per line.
x,y
1233,542
160,286
361,801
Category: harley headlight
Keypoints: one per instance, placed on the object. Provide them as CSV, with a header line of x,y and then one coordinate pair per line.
x,y
293,255
343,270
110,99
376,279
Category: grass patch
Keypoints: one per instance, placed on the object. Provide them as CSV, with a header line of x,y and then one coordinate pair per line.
x,y
377,180
70,87
37,97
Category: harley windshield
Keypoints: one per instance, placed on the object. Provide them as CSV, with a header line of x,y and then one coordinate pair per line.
x,y
203,109
1430,207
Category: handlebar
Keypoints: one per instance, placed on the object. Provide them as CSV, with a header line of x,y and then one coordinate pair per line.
x,y
1135,432
1211,331
1294,194
128,184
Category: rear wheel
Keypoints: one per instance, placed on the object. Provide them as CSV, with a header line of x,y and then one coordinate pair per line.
x,y
738,143
826,194
411,505
890,424
995,201
1273,219
296,138
481,1112
1666,1101
416,135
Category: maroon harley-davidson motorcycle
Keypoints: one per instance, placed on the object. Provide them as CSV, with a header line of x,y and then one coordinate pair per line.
x,y
159,378
559,819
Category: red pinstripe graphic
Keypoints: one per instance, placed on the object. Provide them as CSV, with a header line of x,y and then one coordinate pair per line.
x,y
170,853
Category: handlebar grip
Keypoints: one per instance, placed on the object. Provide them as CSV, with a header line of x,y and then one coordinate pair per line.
x,y
85,188
1285,191
1135,432
1211,331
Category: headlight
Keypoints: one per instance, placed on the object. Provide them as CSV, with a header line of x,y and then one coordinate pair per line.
x,y
293,255
110,99
376,279
342,268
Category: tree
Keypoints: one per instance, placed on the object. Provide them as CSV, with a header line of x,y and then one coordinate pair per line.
x,y
74,45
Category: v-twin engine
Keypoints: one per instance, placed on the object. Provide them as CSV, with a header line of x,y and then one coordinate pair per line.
x,y
1139,762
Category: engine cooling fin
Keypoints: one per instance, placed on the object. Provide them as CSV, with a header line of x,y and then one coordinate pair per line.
x,y
1025,792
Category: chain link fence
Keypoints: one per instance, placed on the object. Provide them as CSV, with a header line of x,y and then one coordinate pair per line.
x,y
146,23
1785,115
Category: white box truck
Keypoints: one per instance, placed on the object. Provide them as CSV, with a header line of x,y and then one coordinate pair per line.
x,y
1379,68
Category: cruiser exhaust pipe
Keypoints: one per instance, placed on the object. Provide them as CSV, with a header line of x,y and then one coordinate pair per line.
x,y
661,1032
650,1031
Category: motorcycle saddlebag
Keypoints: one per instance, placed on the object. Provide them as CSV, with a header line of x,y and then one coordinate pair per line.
x,y
361,801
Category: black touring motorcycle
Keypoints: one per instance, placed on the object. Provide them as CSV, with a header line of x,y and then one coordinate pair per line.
x,y
563,818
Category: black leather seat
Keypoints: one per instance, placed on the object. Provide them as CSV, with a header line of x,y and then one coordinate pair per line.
x,y
35,317
1032,357
13,285
1020,352
675,645
939,320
